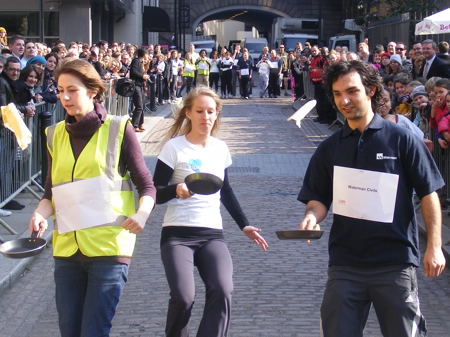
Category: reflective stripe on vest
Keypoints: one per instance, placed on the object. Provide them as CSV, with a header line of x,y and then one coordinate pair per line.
x,y
100,156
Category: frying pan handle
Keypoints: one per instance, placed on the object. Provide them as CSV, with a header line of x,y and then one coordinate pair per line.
x,y
36,234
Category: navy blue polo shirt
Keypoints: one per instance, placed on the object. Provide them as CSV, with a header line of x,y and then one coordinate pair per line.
x,y
382,147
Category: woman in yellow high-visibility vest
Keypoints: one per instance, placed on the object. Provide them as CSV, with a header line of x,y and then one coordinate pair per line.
x,y
188,73
92,156
203,64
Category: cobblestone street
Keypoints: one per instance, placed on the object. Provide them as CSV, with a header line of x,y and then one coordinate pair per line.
x,y
276,293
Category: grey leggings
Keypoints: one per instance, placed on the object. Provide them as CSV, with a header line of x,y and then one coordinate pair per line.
x,y
213,261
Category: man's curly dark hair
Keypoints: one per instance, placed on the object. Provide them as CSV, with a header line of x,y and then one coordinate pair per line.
x,y
369,78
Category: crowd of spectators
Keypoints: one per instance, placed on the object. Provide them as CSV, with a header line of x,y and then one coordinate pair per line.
x,y
402,70
416,79
416,94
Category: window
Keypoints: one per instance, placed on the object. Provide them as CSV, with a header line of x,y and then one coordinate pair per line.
x,y
310,25
51,24
26,23
255,47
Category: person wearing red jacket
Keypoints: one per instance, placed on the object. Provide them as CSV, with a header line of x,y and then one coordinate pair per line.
x,y
444,125
326,113
438,109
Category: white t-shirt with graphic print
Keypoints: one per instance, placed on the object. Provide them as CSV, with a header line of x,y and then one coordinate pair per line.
x,y
186,158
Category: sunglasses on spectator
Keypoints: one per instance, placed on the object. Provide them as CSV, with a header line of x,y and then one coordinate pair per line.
x,y
400,49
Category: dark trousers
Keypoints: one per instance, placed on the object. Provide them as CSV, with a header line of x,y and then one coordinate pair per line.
x,y
165,89
152,93
234,80
173,87
299,89
325,110
274,84
214,81
187,83
350,291
138,113
159,88
225,82
213,262
244,84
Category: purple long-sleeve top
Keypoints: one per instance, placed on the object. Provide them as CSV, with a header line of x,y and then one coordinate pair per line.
x,y
131,158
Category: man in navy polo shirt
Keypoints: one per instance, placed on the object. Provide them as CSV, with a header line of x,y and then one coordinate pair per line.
x,y
367,171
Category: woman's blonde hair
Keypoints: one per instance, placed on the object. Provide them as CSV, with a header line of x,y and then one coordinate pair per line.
x,y
86,73
105,62
4,40
182,124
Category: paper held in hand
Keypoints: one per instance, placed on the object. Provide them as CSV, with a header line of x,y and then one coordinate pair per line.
x,y
13,121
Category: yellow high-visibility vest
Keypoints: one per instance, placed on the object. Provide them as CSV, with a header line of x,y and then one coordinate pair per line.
x,y
187,73
100,156
206,65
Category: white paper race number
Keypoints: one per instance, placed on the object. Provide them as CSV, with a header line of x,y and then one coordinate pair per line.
x,y
364,194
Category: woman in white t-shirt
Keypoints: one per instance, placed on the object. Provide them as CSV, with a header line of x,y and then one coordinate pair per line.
x,y
214,72
226,65
192,232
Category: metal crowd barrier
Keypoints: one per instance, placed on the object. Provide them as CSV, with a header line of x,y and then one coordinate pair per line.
x,y
21,170
442,158
114,103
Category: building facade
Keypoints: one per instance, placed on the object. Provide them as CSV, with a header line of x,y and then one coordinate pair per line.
x,y
124,20
74,20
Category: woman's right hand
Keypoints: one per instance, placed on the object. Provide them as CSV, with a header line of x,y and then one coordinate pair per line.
x,y
37,223
253,234
183,192
39,217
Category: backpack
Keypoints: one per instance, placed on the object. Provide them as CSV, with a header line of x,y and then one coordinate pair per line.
x,y
125,87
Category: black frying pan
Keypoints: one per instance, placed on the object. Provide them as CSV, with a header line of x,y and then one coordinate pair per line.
x,y
203,183
299,235
21,248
